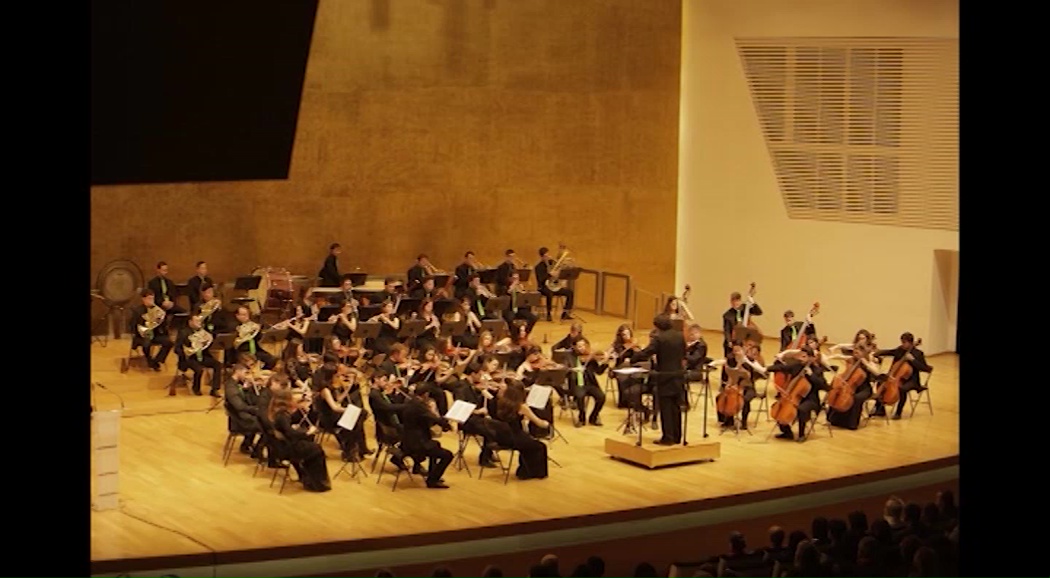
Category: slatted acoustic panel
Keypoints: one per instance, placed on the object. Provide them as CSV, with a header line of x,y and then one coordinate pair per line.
x,y
861,129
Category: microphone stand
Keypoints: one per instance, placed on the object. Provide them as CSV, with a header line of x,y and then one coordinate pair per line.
x,y
707,391
110,391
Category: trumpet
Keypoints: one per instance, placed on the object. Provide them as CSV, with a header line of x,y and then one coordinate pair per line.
x,y
210,307
553,282
520,264
153,317
432,270
246,332
198,341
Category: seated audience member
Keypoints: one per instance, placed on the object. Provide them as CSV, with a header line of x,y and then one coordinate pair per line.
x,y
869,559
442,572
645,570
796,538
581,571
776,551
931,519
925,564
597,565
384,574
949,512
908,546
893,513
807,562
491,571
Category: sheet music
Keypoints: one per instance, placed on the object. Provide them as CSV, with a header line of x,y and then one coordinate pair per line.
x,y
630,370
538,396
460,411
349,418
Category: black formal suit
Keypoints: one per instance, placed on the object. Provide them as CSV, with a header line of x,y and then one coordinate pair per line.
x,y
584,383
198,362
668,375
503,273
417,442
478,304
790,332
695,359
914,382
477,424
159,336
194,285
462,282
387,410
241,412
519,312
254,347
809,404
164,290
329,272
415,275
542,275
730,319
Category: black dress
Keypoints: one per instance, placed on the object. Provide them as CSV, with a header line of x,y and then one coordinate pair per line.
x,y
306,455
532,461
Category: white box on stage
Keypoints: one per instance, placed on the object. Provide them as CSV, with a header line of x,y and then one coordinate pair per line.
x,y
105,444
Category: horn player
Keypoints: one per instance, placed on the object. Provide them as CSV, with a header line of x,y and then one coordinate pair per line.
x,y
192,349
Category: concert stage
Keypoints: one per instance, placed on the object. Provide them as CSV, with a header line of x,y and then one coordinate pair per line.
x,y
183,512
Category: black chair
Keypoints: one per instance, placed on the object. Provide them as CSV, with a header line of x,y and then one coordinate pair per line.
x,y
234,432
920,394
392,450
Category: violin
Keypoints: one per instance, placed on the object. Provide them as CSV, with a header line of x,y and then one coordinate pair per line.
x,y
890,390
785,409
844,385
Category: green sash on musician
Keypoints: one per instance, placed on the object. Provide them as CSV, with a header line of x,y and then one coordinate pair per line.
x,y
163,290
794,333
481,307
579,374
251,346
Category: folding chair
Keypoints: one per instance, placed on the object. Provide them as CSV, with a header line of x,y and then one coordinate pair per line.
x,y
920,394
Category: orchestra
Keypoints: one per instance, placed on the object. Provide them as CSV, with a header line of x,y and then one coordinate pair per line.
x,y
413,360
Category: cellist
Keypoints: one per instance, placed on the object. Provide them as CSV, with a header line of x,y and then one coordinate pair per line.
x,y
913,356
802,361
739,359
860,357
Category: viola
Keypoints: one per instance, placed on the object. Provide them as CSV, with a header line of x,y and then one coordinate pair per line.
x,y
890,390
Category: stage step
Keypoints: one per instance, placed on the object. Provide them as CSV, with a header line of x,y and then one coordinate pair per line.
x,y
654,456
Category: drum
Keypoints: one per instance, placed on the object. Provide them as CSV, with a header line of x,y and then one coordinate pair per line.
x,y
119,281
275,288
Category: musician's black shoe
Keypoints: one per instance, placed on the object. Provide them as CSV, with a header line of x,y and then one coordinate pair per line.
x,y
549,317
487,463
196,391
437,485
896,416
214,393
880,412
743,426
154,366
785,435
579,423
596,421
566,315
245,449
419,470
368,452
663,442
801,439
398,462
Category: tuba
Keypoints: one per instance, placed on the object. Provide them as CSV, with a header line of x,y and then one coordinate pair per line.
x,y
553,282
153,317
246,332
199,341
210,307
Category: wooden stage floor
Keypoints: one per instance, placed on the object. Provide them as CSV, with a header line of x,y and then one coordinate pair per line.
x,y
174,487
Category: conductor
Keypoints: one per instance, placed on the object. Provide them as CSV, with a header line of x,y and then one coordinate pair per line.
x,y
668,375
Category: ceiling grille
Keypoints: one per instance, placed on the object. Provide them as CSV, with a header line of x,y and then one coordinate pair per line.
x,y
861,129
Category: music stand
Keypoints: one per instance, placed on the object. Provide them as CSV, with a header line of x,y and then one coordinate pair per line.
x,y
523,274
497,305
529,299
368,330
357,279
370,294
366,312
487,276
497,327
562,356
274,336
408,306
411,328
553,377
441,306
441,280
453,328
250,283
319,330
326,313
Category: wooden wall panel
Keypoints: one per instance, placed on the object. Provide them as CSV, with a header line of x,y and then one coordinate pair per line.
x,y
442,126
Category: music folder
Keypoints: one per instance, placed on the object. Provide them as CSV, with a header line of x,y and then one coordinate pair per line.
x,y
460,411
539,395
349,418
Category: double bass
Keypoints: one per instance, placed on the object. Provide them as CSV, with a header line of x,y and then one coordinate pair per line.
x,y
785,409
746,330
890,390
844,385
780,379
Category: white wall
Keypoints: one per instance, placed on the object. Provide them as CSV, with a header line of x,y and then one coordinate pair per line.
x,y
732,224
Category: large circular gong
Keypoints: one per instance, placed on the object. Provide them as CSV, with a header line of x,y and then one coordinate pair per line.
x,y
118,281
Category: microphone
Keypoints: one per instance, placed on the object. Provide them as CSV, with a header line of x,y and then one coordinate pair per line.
x,y
114,393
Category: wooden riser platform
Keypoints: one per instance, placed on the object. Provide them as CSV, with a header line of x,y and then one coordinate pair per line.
x,y
654,456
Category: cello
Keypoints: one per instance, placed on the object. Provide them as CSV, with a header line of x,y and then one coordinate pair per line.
x,y
785,409
800,340
746,330
731,399
844,385
890,390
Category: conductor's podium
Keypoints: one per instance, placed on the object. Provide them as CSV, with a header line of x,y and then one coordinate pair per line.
x,y
656,456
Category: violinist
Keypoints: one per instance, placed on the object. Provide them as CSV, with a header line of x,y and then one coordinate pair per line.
x,y
629,387
432,377
859,361
516,311
569,341
388,328
388,403
583,380
911,354
789,333
464,271
482,393
418,417
517,344
740,360
243,399
735,316
331,398
397,363
200,359
542,274
429,337
296,363
695,353
803,362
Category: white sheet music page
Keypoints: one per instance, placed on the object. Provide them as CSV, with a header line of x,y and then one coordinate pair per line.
x,y
538,396
629,370
349,417
460,411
